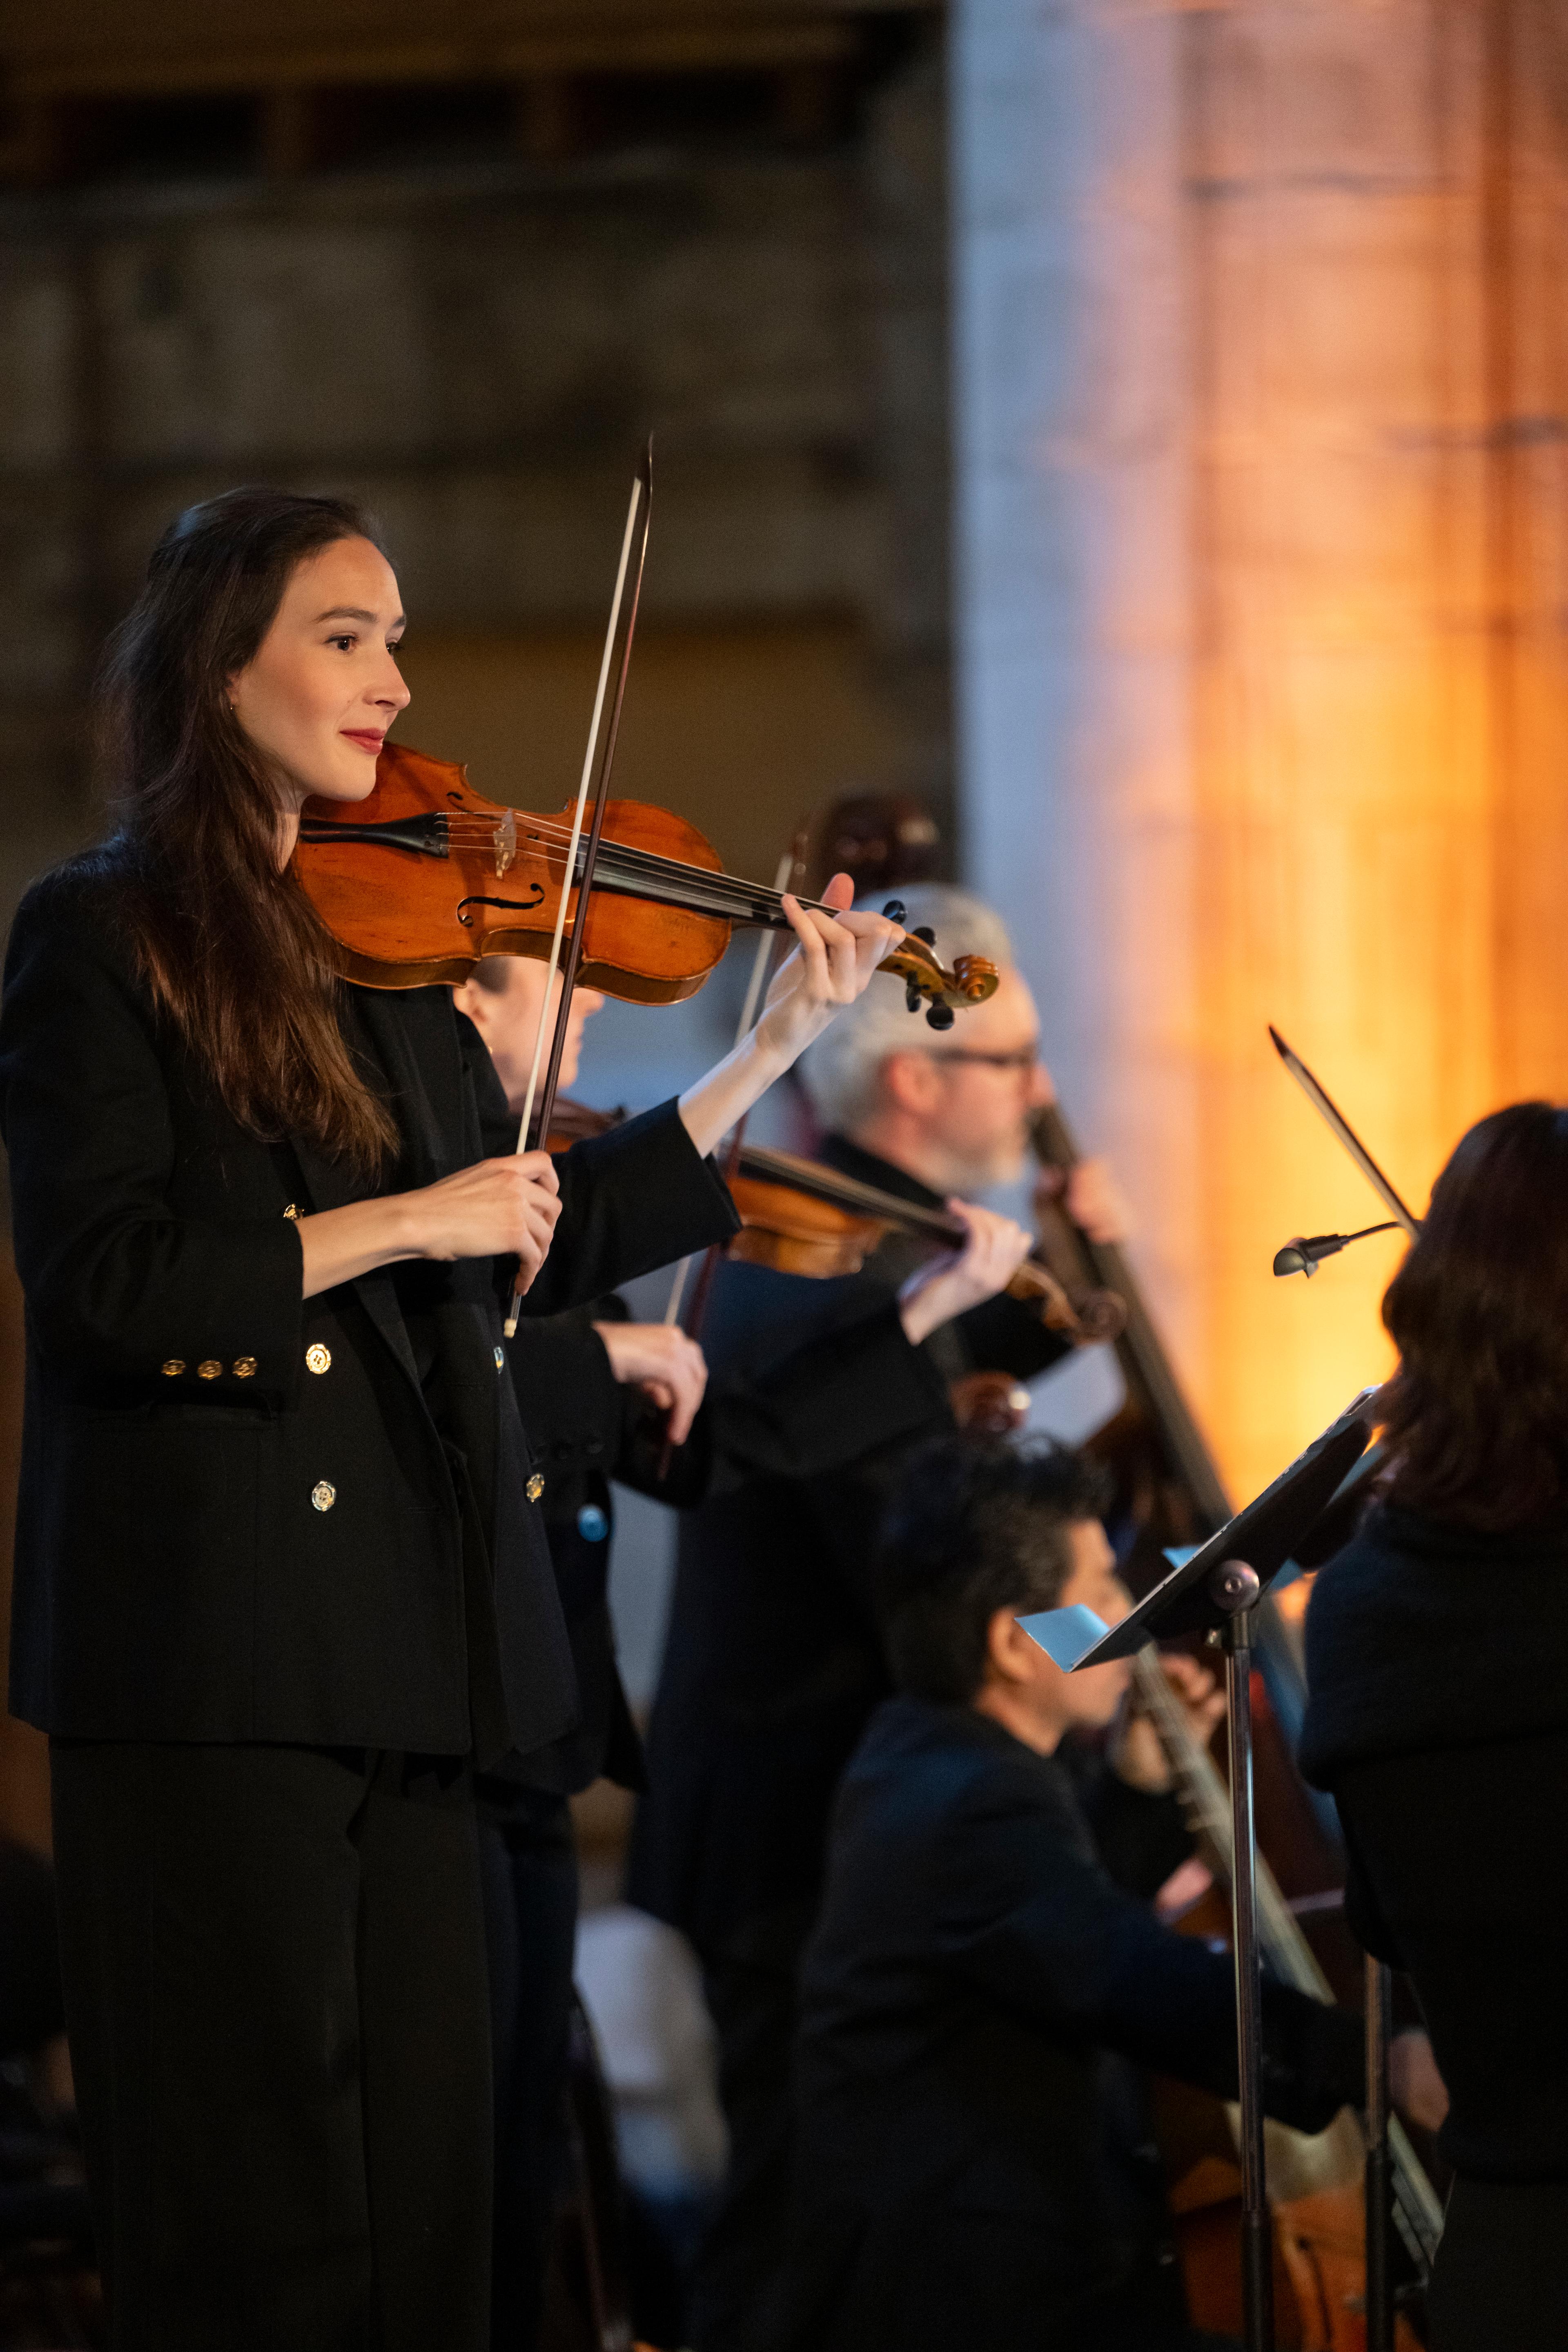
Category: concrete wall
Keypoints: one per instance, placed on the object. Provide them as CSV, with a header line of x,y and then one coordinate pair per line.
x,y
1261,542
479,349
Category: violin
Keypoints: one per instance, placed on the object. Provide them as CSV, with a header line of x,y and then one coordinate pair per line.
x,y
426,876
799,1217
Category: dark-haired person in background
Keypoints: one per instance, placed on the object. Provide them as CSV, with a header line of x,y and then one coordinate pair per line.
x,y
1438,1669
972,2157
279,1575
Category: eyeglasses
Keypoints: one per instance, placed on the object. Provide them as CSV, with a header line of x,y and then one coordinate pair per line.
x,y
1022,1058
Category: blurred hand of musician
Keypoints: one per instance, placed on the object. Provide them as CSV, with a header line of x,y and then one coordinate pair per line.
x,y
1091,1197
1136,1755
1418,2090
947,1287
668,1368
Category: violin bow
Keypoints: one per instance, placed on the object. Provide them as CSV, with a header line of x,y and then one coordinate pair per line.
x,y
790,868
597,762
768,942
1340,1125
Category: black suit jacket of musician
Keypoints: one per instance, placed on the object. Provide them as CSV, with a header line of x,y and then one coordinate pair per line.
x,y
774,1660
238,1518
795,1419
971,2158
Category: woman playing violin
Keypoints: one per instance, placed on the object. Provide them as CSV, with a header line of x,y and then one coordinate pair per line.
x,y
280,1578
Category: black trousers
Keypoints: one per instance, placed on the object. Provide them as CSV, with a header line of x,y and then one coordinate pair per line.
x,y
529,1868
31,2007
1500,2283
276,1998
751,1985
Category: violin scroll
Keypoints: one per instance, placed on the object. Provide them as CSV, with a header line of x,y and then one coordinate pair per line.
x,y
944,990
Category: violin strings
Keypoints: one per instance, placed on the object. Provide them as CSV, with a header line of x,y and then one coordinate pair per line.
x,y
703,891
470,829
696,889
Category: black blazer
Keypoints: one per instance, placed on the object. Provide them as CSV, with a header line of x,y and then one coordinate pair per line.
x,y
971,2156
773,1661
239,1516
797,1419
1438,1714
586,1429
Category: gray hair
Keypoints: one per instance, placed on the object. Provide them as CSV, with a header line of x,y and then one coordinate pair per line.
x,y
839,1071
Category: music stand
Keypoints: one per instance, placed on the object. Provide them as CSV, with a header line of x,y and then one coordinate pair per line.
x,y
1214,1592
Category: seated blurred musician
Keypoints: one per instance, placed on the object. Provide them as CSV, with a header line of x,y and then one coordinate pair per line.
x,y
595,1391
972,2161
773,1661
1437,1666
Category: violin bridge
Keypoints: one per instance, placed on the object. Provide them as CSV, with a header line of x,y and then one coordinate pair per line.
x,y
505,843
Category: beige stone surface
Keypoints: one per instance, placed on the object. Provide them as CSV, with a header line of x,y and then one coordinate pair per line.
x,y
1264,655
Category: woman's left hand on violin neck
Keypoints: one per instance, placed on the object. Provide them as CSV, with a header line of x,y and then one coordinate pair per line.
x,y
832,961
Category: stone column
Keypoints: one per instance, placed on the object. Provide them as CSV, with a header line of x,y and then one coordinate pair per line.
x,y
1260,374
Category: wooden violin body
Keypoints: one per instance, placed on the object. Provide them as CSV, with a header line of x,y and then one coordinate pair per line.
x,y
424,877
799,1217
475,879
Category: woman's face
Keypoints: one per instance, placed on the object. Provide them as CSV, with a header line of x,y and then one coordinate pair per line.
x,y
323,687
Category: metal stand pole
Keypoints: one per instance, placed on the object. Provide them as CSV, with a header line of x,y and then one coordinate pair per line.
x,y
1379,2162
1235,1587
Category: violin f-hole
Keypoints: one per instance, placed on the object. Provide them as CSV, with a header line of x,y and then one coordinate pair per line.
x,y
513,906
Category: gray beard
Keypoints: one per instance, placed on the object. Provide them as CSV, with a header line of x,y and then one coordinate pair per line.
x,y
969,1174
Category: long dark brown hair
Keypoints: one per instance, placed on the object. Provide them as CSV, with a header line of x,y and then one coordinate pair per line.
x,y
1477,1415
231,949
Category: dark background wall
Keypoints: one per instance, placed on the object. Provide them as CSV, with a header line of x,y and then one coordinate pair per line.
x,y
466,292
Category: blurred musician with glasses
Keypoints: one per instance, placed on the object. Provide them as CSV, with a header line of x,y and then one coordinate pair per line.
x,y
773,1661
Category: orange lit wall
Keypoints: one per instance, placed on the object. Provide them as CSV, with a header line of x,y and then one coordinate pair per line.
x,y
1309,761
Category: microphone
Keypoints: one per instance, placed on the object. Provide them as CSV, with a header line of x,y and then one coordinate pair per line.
x,y
1307,1251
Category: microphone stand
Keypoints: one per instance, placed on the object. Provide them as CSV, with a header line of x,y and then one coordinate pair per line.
x,y
1216,1592
1379,2161
1307,1251
1235,1588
